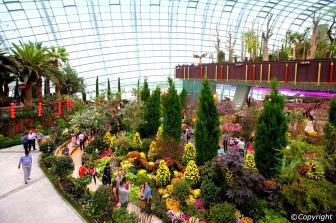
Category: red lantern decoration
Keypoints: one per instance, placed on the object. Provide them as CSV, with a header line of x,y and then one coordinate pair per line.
x,y
59,109
39,110
286,74
253,72
331,72
68,103
12,110
22,87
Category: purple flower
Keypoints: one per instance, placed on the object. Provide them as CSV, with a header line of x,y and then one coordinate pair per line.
x,y
198,203
185,217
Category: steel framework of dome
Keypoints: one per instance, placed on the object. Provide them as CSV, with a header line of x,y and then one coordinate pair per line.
x,y
137,39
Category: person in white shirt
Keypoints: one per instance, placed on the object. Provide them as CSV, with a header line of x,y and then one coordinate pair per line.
x,y
81,141
31,138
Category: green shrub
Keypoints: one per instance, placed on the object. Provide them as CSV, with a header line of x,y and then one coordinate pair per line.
x,y
310,196
102,203
145,145
209,193
254,207
48,147
122,216
181,190
82,182
48,161
272,216
8,141
63,166
223,212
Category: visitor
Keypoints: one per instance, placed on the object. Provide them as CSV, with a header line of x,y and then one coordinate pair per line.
x,y
142,197
115,192
65,151
92,173
74,139
225,141
25,141
107,174
124,190
26,162
31,138
81,141
119,178
249,148
148,197
82,170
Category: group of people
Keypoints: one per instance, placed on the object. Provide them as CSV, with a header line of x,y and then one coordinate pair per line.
x,y
187,133
29,140
81,138
235,144
91,171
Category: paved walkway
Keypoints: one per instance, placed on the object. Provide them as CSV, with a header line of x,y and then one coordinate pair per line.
x,y
37,201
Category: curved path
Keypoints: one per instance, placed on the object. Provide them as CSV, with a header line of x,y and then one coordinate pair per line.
x,y
37,201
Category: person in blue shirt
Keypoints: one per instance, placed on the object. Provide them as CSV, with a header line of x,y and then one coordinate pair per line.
x,y
26,162
148,197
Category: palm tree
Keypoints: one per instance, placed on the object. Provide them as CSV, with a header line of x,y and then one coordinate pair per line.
x,y
251,42
34,62
8,67
58,55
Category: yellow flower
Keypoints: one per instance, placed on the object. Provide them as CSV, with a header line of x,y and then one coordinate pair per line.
x,y
162,174
196,193
137,142
191,200
192,174
172,204
169,188
152,150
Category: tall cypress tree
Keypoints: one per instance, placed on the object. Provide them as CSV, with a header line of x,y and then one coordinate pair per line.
x,y
271,134
330,143
207,126
145,93
172,120
108,89
119,89
183,96
152,114
97,88
138,91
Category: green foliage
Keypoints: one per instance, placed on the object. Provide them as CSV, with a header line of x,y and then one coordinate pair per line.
x,y
181,190
272,216
221,57
172,120
332,112
8,141
82,182
97,88
189,153
152,114
271,134
48,161
310,196
223,212
209,193
102,203
183,96
145,93
133,114
207,126
162,174
121,215
101,165
71,83
63,166
48,147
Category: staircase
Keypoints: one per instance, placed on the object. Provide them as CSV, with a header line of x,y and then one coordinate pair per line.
x,y
240,96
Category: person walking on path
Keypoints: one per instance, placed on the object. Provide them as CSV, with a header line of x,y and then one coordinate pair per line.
x,y
92,173
26,162
25,141
31,137
119,178
81,141
124,190
142,197
65,151
115,192
82,170
73,140
107,174
147,197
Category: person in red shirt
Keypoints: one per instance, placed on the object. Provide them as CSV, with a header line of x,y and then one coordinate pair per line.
x,y
92,172
249,148
82,170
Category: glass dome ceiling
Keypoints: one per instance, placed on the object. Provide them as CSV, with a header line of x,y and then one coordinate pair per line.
x,y
134,39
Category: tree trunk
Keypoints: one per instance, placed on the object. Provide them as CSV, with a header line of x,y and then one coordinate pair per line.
x,y
57,89
28,93
294,51
313,46
39,88
46,87
265,50
231,54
